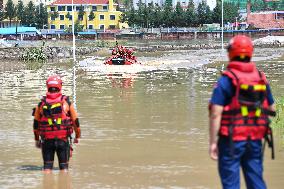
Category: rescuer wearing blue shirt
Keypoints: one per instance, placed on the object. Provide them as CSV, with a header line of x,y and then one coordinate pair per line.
x,y
239,113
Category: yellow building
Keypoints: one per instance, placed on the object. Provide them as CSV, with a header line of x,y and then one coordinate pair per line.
x,y
105,12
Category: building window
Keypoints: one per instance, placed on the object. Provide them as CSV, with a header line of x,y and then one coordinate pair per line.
x,y
70,17
61,17
62,27
91,27
70,26
69,8
61,8
102,17
112,17
79,7
80,17
52,26
102,27
94,8
52,17
104,8
111,26
52,9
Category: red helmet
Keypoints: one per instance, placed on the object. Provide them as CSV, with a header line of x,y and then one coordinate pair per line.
x,y
54,81
240,46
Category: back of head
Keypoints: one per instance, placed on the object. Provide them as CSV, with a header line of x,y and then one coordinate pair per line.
x,y
240,48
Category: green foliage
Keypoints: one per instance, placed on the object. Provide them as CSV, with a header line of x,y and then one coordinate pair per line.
x,y
54,15
230,12
10,10
81,12
179,16
101,43
190,15
167,15
278,122
150,15
68,15
41,16
91,15
30,15
34,55
20,11
77,28
204,14
2,15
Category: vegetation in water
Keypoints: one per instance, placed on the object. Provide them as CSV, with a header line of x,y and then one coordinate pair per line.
x,y
34,58
278,121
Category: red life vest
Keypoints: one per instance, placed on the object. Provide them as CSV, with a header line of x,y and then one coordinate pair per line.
x,y
246,117
55,121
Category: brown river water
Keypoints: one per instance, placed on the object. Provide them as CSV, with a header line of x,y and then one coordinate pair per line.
x,y
145,129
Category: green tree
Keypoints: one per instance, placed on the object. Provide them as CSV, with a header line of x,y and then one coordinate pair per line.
x,y
128,3
77,27
54,15
10,11
20,11
151,14
167,15
81,14
139,16
30,16
179,16
190,15
129,17
157,14
68,15
2,15
92,15
204,13
41,16
217,13
230,12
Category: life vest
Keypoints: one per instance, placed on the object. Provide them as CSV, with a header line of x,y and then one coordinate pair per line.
x,y
246,117
55,120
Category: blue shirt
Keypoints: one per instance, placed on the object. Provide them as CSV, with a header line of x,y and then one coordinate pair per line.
x,y
224,90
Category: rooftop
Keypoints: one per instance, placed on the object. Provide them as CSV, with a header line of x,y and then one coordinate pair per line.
x,y
12,30
80,2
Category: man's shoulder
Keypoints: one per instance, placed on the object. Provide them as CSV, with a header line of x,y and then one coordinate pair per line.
x,y
224,81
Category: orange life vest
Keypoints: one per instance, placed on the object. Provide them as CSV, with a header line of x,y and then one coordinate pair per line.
x,y
246,117
55,121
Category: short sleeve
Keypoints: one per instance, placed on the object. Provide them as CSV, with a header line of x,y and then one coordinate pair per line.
x,y
270,98
223,91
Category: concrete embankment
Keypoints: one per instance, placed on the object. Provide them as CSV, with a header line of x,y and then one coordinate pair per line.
x,y
15,53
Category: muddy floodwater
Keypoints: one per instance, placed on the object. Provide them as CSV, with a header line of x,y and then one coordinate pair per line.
x,y
145,128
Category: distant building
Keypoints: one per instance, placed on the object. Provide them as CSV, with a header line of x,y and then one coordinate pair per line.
x,y
184,3
36,2
105,14
269,3
266,19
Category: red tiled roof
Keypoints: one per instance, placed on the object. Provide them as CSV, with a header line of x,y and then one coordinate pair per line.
x,y
80,2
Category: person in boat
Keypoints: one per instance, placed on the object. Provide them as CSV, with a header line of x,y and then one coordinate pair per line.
x,y
55,119
239,112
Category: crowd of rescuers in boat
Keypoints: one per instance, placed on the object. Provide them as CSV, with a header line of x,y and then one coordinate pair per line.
x,y
122,52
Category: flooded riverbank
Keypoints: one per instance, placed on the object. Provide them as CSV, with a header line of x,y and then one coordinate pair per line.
x,y
143,129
